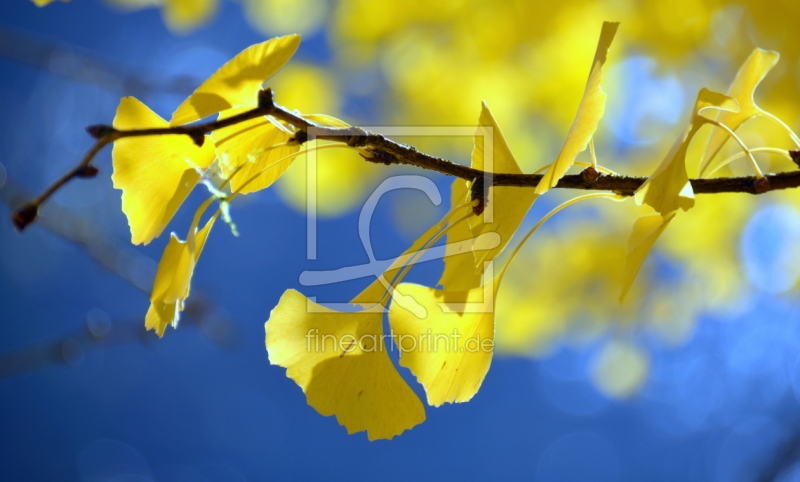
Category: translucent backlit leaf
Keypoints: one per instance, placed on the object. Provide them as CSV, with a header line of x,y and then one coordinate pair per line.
x,y
174,275
341,363
743,87
505,208
646,231
668,188
251,147
448,350
460,272
590,111
155,173
237,82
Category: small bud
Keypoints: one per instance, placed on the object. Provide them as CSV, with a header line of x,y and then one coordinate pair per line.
x,y
795,155
590,175
300,137
24,215
87,171
478,194
761,185
265,98
198,137
379,157
98,131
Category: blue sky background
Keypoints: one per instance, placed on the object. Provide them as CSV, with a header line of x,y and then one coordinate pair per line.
x,y
722,407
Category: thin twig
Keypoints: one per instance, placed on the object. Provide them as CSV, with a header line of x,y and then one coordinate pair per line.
x,y
387,152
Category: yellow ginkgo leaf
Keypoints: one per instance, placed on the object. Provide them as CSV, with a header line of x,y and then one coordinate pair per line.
x,y
646,231
155,173
341,363
183,16
460,272
174,275
750,74
237,82
590,111
708,99
251,147
668,188
448,350
505,209
448,345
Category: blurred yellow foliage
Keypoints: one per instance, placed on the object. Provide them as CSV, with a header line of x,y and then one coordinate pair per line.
x,y
42,3
620,369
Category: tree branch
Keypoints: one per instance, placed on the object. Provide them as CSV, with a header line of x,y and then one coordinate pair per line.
x,y
387,151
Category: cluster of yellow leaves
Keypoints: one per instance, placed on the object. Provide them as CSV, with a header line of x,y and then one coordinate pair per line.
x,y
451,329
668,189
548,304
522,57
157,173
356,381
448,371
527,60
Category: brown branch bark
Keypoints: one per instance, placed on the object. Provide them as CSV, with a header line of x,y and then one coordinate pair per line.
x,y
387,151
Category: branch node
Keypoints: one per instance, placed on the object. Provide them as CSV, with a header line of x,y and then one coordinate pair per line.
x,y
24,215
379,157
590,175
198,136
477,190
300,137
265,98
86,172
761,185
795,155
358,138
98,131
